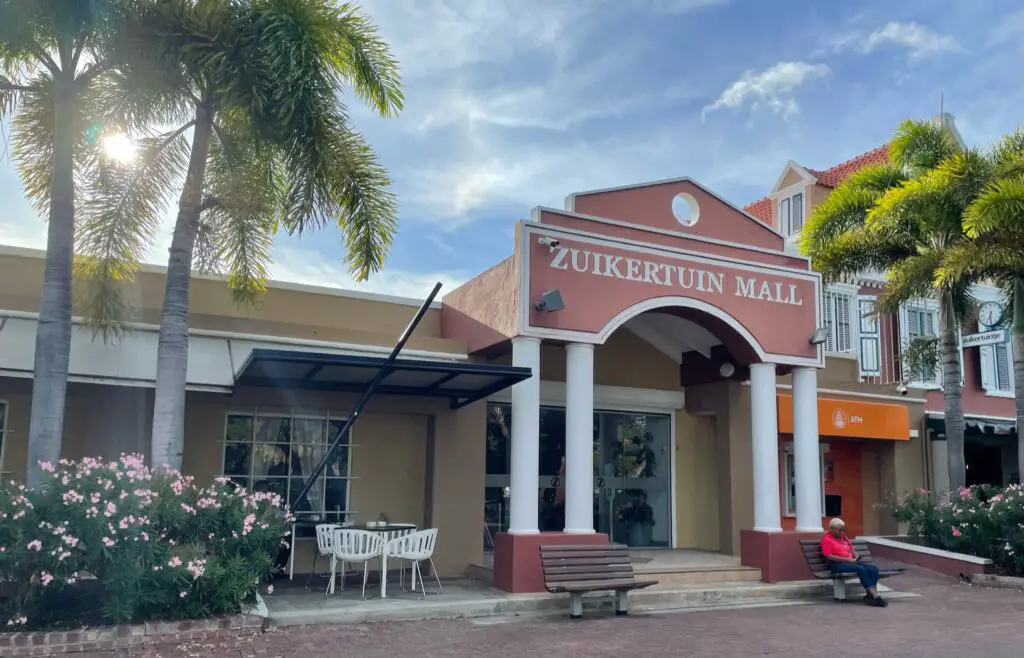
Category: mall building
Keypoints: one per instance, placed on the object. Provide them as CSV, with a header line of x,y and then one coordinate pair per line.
x,y
650,366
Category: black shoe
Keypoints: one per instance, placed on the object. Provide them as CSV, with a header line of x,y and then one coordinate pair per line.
x,y
881,603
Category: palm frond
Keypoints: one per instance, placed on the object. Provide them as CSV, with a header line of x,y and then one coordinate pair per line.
x,y
243,202
999,208
919,146
858,250
118,221
981,259
846,207
910,278
364,60
1008,153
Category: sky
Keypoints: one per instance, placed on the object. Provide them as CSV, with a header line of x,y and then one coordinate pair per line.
x,y
512,104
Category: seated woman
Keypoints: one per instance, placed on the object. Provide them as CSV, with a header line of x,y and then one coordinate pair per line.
x,y
842,558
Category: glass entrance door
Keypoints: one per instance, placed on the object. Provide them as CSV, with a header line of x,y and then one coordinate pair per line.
x,y
632,486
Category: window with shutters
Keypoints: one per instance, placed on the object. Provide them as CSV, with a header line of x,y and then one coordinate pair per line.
x,y
869,348
791,214
837,310
996,366
920,319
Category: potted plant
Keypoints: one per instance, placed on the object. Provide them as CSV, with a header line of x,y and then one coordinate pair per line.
x,y
638,518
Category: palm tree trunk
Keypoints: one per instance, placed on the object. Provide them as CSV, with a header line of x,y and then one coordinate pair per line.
x,y
1018,369
53,329
952,393
168,436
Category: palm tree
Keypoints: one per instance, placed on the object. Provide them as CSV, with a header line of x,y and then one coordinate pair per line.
x,y
256,82
995,223
903,218
51,54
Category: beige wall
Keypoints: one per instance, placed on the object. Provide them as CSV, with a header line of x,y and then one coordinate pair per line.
x,y
286,310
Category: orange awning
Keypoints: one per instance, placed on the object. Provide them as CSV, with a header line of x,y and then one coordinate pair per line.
x,y
853,419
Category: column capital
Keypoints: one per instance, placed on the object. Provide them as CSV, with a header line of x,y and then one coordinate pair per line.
x,y
577,346
762,366
525,340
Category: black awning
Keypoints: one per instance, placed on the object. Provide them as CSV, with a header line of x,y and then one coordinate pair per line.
x,y
462,383
976,425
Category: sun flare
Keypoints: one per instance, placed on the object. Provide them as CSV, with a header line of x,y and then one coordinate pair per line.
x,y
118,147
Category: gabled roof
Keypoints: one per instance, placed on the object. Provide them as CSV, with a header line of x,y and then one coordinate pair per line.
x,y
830,178
833,176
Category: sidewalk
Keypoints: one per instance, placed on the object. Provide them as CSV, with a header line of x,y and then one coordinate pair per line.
x,y
946,620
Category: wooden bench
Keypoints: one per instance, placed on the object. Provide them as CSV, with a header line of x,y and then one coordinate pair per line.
x,y
819,565
590,568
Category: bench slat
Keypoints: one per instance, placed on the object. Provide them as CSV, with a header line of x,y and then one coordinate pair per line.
x,y
592,585
591,576
582,561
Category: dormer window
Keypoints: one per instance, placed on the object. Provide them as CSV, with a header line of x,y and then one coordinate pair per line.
x,y
791,214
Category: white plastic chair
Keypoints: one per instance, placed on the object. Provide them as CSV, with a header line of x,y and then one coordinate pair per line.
x,y
355,546
325,548
416,547
394,534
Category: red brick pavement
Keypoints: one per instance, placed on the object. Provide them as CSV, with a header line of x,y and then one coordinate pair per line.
x,y
949,619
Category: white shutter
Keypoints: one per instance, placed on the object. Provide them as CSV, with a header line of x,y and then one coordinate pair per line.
x,y
796,224
829,310
870,341
1003,371
842,319
986,359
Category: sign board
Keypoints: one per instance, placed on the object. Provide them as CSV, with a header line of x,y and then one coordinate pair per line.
x,y
986,338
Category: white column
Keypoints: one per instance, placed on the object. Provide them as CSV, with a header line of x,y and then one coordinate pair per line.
x,y
579,438
806,454
764,434
525,449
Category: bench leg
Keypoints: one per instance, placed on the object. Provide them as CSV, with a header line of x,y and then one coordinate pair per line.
x,y
839,589
621,603
576,605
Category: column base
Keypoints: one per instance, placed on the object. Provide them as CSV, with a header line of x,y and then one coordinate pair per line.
x,y
517,565
777,554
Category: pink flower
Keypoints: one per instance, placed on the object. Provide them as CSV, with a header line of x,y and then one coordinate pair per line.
x,y
47,466
956,531
183,594
35,545
108,542
270,589
46,578
174,562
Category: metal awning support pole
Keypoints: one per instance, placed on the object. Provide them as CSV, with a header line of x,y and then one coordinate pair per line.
x,y
385,367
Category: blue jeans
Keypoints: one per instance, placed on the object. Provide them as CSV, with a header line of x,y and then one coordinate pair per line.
x,y
866,572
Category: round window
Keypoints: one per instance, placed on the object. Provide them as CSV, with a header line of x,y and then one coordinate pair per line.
x,y
685,209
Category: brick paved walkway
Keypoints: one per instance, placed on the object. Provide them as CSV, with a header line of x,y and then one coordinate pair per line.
x,y
948,620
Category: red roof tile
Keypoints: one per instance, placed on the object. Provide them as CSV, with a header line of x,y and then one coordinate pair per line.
x,y
833,176
762,209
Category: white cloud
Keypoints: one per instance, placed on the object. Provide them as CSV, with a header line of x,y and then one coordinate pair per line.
x,y
297,265
771,87
920,41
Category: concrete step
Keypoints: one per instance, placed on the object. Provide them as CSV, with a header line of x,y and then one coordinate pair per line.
x,y
669,577
290,611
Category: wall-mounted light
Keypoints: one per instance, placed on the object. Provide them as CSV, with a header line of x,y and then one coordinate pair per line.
x,y
727,370
550,301
819,336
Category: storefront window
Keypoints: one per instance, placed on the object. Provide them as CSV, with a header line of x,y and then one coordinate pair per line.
x,y
631,474
275,452
3,434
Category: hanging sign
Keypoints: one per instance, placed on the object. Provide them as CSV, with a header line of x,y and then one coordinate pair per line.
x,y
986,338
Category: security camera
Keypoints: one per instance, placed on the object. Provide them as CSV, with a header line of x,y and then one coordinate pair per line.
x,y
901,389
550,243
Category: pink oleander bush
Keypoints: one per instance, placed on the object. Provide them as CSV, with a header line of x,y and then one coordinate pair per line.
x,y
110,543
981,521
